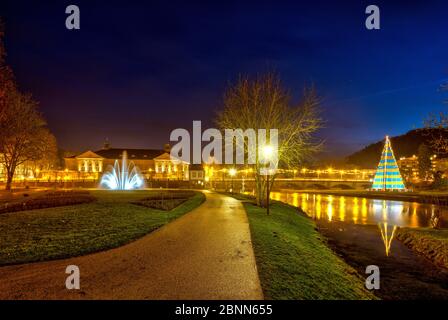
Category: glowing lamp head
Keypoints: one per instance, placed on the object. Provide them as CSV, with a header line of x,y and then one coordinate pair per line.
x,y
268,151
232,172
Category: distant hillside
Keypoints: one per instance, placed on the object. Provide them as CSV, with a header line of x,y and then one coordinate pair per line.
x,y
404,146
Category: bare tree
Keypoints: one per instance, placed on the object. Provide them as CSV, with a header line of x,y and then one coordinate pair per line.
x,y
25,137
437,128
7,84
6,78
424,162
262,103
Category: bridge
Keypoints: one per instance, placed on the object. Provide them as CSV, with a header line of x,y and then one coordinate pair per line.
x,y
296,183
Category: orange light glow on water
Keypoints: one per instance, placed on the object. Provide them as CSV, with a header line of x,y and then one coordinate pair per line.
x,y
295,199
318,207
355,210
304,204
414,217
330,211
360,210
364,210
275,195
341,208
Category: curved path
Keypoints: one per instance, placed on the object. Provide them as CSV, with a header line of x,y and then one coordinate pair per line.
x,y
205,254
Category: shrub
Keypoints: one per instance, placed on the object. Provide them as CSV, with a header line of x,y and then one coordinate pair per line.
x,y
50,200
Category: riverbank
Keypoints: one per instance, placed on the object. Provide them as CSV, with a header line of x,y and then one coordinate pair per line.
x,y
431,243
432,197
294,262
404,274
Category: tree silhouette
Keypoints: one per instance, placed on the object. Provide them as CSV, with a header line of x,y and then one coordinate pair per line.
x,y
263,103
24,135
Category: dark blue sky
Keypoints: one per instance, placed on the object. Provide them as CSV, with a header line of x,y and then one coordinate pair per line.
x,y
138,69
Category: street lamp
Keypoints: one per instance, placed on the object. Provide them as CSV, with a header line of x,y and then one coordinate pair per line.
x,y
232,173
267,152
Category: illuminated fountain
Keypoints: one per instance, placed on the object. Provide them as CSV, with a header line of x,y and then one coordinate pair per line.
x,y
127,177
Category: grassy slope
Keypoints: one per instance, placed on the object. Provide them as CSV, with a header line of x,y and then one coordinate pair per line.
x,y
293,262
432,243
63,232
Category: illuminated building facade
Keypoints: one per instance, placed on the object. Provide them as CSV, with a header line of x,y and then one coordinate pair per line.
x,y
152,163
409,167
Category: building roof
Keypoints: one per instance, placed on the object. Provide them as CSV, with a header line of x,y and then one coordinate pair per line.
x,y
138,154
117,153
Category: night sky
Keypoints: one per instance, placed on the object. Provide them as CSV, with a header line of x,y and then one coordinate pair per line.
x,y
138,69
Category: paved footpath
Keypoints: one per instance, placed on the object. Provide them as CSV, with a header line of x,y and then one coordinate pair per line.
x,y
205,254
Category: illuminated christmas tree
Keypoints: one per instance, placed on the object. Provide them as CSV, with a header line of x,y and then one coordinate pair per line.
x,y
388,175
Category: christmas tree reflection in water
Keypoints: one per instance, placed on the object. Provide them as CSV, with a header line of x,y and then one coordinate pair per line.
x,y
387,236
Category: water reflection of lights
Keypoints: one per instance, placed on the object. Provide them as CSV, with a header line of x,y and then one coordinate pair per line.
x,y
364,210
388,210
355,210
384,211
414,217
318,207
295,199
341,208
330,211
360,210
387,239
304,203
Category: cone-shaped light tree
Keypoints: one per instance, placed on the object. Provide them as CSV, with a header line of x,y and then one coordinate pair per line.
x,y
388,175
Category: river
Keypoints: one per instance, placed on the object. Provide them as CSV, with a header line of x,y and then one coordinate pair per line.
x,y
360,210
362,231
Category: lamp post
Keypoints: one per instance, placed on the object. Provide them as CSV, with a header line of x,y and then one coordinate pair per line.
x,y
267,152
232,173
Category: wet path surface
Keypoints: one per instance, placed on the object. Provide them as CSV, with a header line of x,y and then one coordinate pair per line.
x,y
404,274
205,254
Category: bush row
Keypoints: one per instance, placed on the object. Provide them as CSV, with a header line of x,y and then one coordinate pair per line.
x,y
47,201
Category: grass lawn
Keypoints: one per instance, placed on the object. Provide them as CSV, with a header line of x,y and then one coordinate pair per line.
x,y
294,262
432,243
62,232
